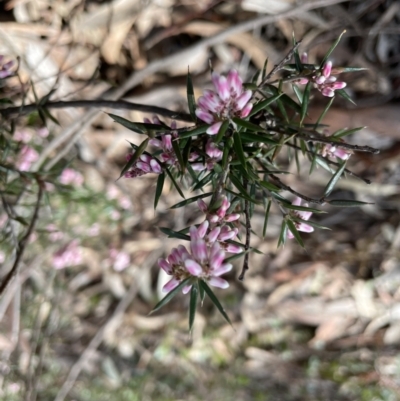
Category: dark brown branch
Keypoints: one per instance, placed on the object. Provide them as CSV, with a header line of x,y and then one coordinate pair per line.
x,y
22,243
97,103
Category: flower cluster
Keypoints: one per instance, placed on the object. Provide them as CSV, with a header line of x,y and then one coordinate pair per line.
x,y
229,100
208,244
323,80
26,158
300,226
333,151
146,164
5,68
204,262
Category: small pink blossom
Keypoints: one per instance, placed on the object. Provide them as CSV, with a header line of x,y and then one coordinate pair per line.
x,y
5,68
228,100
300,226
333,151
70,176
54,233
69,255
26,157
324,81
146,164
119,259
204,261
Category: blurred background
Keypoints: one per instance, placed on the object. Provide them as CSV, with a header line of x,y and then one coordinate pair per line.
x,y
315,324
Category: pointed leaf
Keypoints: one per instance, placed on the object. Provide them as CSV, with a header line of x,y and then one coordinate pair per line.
x,y
266,218
127,124
331,49
191,200
174,183
221,132
264,104
237,145
283,233
305,101
214,299
335,178
190,96
170,295
192,306
178,154
327,107
344,132
345,95
295,233
159,188
139,151
201,129
174,234
348,203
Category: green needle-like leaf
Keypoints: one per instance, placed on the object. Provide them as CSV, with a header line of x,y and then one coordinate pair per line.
x,y
139,151
345,95
190,200
304,103
178,154
170,295
192,306
201,129
237,145
190,97
215,301
283,233
331,49
266,217
335,178
348,203
159,188
221,132
174,183
295,233
174,234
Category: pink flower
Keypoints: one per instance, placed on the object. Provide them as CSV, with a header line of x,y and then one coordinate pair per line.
x,y
334,151
324,81
228,100
145,164
302,215
120,259
27,156
219,215
70,176
203,262
5,68
69,255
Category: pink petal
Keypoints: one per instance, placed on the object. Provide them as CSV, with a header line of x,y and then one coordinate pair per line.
x,y
217,259
194,233
198,166
218,282
320,80
199,249
233,248
232,217
167,142
289,234
304,58
296,202
342,154
187,288
328,92
155,167
235,83
202,205
225,236
326,71
193,267
246,110
305,228
303,81
202,229
165,266
225,268
243,99
338,85
204,116
213,234
173,283
155,142
183,253
143,166
221,85
213,129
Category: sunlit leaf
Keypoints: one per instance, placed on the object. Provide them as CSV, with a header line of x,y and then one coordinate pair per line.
x,y
348,203
174,234
345,95
331,49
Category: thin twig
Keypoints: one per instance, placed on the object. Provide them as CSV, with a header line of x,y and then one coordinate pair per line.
x,y
248,235
287,188
22,243
279,66
96,103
